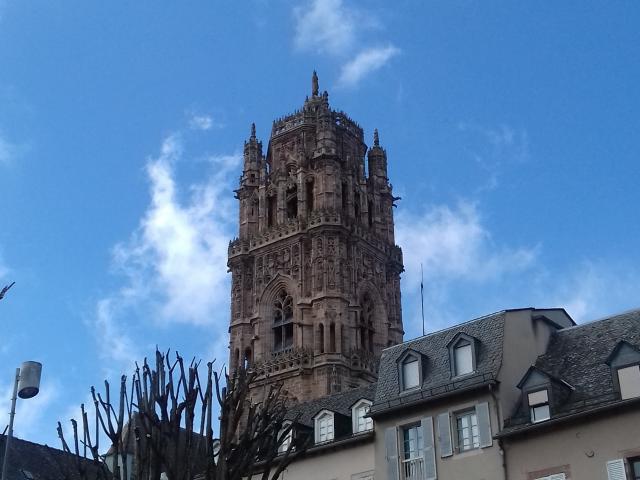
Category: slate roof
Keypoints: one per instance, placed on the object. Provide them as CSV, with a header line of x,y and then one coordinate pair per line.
x,y
340,403
578,355
437,372
32,461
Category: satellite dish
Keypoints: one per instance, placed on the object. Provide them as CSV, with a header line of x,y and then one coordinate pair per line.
x,y
29,383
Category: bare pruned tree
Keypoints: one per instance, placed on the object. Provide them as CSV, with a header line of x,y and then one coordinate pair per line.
x,y
164,424
5,289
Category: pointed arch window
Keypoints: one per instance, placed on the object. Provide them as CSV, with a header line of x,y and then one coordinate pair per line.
x,y
283,322
365,324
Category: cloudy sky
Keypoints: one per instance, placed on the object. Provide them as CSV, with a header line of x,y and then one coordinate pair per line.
x,y
511,129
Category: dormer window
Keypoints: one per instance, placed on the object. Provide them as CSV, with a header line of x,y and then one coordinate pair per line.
x,y
629,380
625,365
410,372
286,437
324,427
361,423
463,359
539,406
462,355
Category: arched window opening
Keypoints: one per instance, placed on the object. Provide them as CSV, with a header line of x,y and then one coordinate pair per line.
x,y
247,358
236,358
254,207
271,210
365,325
356,205
310,185
332,337
345,197
292,202
321,335
370,213
283,322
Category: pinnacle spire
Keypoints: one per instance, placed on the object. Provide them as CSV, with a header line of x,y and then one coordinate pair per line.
x,y
253,130
376,139
314,84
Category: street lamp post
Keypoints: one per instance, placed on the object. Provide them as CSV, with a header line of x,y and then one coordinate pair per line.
x,y
26,385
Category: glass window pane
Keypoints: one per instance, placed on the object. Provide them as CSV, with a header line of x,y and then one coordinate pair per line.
x,y
629,379
410,373
463,360
536,398
540,413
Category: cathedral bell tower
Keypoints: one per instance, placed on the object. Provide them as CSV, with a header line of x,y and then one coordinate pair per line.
x,y
315,293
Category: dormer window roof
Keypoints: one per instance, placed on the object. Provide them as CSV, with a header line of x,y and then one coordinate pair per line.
x,y
410,370
462,354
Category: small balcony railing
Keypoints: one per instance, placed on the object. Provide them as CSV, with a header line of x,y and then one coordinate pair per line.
x,y
413,469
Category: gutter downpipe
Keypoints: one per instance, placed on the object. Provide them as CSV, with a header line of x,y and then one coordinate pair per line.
x,y
502,451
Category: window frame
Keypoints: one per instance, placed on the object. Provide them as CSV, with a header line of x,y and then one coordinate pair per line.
x,y
635,473
617,378
532,407
459,445
461,339
280,322
287,440
328,414
402,361
355,419
402,454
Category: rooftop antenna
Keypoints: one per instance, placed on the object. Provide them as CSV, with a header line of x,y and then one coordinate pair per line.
x,y
422,296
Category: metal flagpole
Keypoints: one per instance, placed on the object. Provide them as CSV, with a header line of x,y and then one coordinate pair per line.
x,y
422,296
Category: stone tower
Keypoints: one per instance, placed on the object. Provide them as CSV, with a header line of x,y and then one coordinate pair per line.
x,y
315,293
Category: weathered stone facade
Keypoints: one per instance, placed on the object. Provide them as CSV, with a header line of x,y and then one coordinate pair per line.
x,y
315,293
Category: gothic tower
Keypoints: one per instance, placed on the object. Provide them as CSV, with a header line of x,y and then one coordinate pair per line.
x,y
315,293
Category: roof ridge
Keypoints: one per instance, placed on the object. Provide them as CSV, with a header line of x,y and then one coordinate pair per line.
x,y
599,320
457,325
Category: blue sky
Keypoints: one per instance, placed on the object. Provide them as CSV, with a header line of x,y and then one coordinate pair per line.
x,y
511,129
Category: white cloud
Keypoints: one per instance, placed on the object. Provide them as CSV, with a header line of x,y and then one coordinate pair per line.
x,y
455,249
175,262
594,289
31,413
203,122
366,62
325,26
495,148
8,151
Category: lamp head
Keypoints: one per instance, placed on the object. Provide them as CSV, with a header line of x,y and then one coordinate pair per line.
x,y
29,383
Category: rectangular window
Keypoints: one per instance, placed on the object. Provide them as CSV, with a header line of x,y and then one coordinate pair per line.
x,y
286,441
463,359
410,373
467,431
629,380
364,423
412,453
412,442
325,428
539,406
634,464
555,476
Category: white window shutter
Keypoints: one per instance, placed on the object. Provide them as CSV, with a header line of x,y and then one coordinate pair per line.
x,y
429,450
484,425
444,435
615,470
391,446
